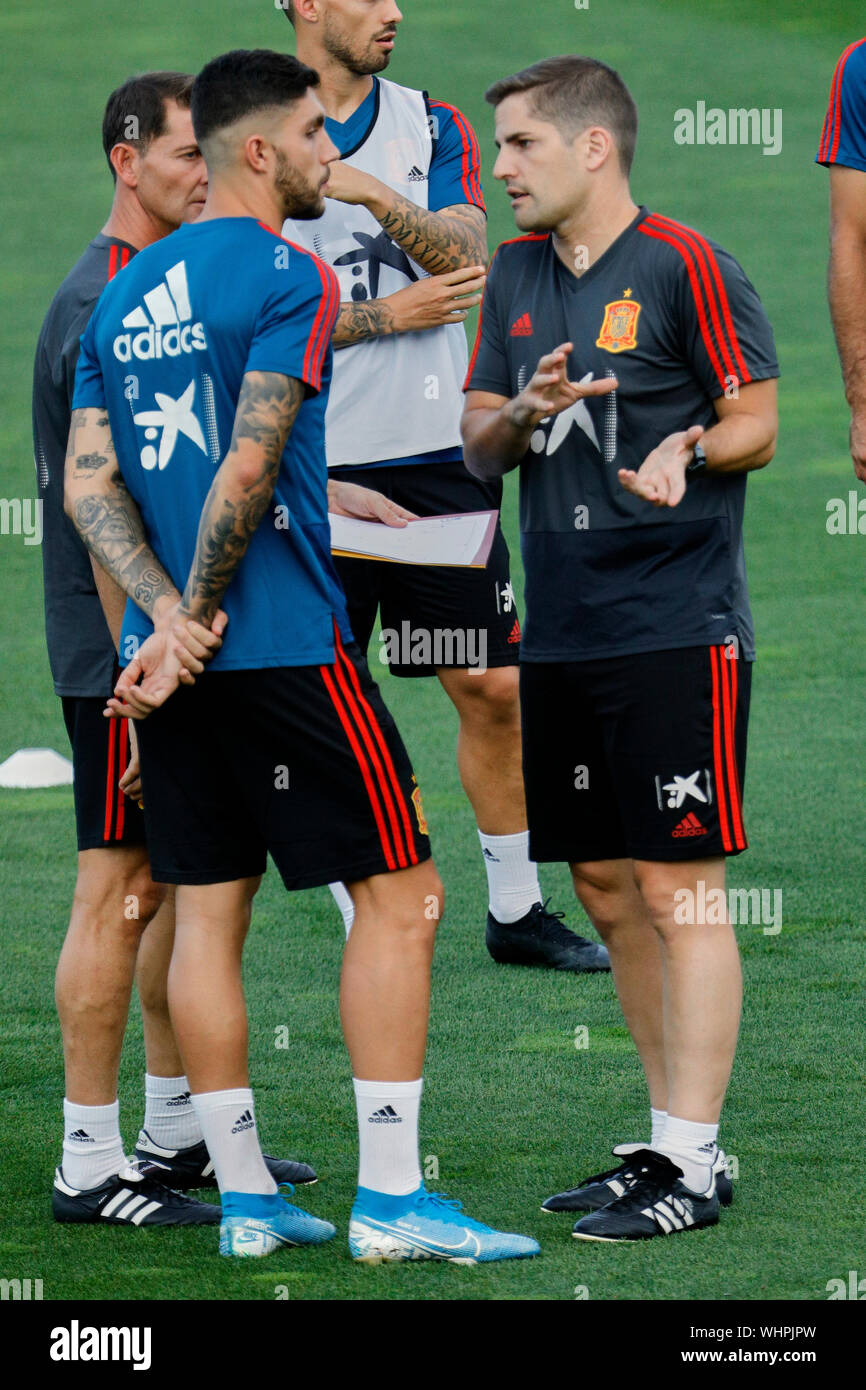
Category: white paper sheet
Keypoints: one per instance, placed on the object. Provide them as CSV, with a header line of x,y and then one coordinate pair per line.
x,y
463,539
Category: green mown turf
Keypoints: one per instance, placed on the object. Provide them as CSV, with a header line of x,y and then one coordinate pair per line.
x,y
514,1111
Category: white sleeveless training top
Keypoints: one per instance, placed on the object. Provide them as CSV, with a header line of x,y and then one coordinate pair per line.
x,y
400,395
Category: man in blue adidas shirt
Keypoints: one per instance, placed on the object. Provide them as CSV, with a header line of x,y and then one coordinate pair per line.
x,y
215,390
842,150
405,232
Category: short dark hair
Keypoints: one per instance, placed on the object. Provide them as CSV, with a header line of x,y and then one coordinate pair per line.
x,y
246,80
135,112
572,93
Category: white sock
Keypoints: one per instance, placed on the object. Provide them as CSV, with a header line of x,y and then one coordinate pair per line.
x,y
512,877
92,1146
345,904
388,1135
169,1116
658,1118
692,1147
228,1123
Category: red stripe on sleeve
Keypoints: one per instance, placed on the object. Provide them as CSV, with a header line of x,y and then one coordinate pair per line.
x,y
831,130
112,261
706,253
331,312
464,162
661,235
471,154
322,325
531,236
362,764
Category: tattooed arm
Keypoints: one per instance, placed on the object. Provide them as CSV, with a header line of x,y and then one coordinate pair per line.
x,y
450,239
239,496
109,522
427,303
107,518
450,244
243,487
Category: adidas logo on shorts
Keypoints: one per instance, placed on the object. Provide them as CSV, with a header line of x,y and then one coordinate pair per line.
x,y
688,826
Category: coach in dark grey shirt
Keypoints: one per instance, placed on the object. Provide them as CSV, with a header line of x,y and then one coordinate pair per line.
x,y
638,645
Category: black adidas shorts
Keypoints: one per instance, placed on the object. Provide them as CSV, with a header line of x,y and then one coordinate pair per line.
x,y
638,757
302,761
470,615
104,817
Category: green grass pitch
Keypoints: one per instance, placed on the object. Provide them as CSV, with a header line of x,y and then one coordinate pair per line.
x,y
513,1110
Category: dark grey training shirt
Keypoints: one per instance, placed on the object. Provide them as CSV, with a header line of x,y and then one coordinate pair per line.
x,y
675,319
80,648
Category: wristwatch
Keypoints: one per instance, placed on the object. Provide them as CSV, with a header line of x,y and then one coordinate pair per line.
x,y
699,460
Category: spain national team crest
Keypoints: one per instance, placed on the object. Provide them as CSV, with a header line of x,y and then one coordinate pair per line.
x,y
419,811
619,330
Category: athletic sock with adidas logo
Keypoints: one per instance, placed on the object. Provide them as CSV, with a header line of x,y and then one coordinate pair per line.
x,y
169,1115
693,1148
512,877
388,1135
228,1124
92,1146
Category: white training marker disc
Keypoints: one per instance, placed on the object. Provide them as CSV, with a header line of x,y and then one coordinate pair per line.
x,y
36,767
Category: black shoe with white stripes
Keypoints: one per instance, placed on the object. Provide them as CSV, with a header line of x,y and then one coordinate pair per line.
x,y
603,1188
133,1197
193,1167
657,1204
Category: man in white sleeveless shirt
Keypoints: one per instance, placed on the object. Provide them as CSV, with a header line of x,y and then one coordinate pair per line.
x,y
405,231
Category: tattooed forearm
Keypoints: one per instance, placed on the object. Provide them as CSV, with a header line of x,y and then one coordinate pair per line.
x,y
106,516
242,490
88,463
371,318
111,528
438,241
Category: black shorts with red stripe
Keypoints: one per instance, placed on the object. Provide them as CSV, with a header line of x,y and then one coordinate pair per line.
x,y
639,757
304,762
104,816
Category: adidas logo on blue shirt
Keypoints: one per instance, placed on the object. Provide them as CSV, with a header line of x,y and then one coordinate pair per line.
x,y
165,324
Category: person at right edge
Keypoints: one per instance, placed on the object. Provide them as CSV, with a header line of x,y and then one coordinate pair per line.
x,y
842,150
638,644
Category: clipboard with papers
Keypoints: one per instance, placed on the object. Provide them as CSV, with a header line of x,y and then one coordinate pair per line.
x,y
459,539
